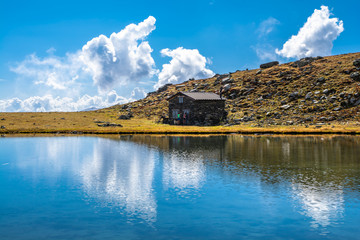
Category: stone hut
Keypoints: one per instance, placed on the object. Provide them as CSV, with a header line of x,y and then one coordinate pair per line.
x,y
196,108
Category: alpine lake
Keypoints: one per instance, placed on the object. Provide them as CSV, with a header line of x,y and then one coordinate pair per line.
x,y
180,187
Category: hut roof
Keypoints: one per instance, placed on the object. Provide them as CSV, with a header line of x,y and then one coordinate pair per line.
x,y
198,96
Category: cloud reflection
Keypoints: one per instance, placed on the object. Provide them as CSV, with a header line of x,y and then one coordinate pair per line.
x,y
323,202
183,170
116,177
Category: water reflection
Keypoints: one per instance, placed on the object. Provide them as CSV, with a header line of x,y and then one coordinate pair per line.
x,y
121,175
315,170
183,170
323,202
314,173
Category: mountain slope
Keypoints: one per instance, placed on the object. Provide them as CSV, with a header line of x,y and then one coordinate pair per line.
x,y
309,91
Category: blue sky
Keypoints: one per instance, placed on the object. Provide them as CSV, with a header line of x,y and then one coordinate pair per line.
x,y
43,65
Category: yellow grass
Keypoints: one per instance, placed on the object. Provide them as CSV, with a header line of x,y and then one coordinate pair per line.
x,y
86,123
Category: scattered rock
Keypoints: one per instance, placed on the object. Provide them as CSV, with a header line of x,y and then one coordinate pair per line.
x,y
269,64
2,127
2,119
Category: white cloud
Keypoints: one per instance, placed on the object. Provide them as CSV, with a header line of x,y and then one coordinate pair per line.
x,y
185,64
49,103
267,26
110,62
264,50
55,72
138,93
315,38
120,59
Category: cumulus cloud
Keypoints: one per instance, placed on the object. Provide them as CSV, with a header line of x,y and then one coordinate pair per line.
x,y
315,38
120,58
49,103
185,64
110,61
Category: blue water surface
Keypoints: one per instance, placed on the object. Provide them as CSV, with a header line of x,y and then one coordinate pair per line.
x,y
172,187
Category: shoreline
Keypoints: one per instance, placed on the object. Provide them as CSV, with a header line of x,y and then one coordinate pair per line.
x,y
229,132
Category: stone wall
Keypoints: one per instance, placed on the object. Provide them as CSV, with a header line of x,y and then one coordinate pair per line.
x,y
200,112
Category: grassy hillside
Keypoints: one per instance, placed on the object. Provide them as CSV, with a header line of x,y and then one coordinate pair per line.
x,y
309,91
310,95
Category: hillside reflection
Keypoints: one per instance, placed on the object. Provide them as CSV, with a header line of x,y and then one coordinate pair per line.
x,y
127,172
318,170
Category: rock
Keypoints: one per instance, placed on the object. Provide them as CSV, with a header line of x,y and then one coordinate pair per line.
x,y
326,91
269,64
355,76
258,72
357,102
356,62
109,125
226,87
179,86
163,88
285,107
303,62
321,80
323,119
227,80
2,127
308,96
125,117
290,122
337,109
2,119
293,96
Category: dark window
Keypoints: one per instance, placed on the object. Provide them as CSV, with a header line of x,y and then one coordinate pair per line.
x,y
181,99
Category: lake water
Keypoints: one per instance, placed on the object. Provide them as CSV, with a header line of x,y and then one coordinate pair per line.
x,y
163,187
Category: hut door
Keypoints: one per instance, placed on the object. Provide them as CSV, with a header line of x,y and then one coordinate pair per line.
x,y
186,116
175,113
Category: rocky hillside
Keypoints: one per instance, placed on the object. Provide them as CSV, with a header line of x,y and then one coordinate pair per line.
x,y
309,91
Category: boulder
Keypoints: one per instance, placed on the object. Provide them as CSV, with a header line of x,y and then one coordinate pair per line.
x,y
355,76
269,64
356,62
